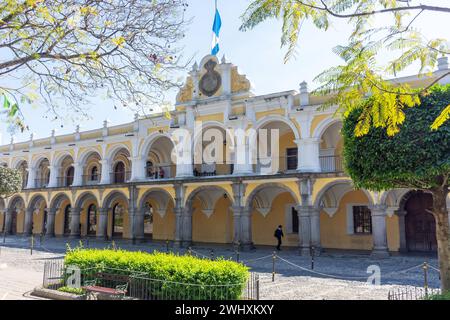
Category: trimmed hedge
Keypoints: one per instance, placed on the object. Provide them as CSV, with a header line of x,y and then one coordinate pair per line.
x,y
184,277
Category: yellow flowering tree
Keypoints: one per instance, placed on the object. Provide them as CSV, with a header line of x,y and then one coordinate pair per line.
x,y
362,73
60,53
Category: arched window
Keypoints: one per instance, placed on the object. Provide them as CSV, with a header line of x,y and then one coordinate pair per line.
x,y
92,220
94,174
150,170
119,172
67,220
117,220
148,220
69,176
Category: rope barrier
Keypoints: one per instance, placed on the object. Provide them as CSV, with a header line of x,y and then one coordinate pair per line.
x,y
256,259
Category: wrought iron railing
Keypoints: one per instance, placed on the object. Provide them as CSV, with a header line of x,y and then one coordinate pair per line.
x,y
211,170
120,177
141,287
331,163
41,183
91,179
64,181
160,171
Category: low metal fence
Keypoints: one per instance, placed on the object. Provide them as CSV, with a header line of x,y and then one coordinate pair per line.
x,y
141,287
415,293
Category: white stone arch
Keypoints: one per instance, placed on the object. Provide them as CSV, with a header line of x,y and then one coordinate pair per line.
x,y
82,198
16,202
264,195
84,156
324,125
112,152
393,198
39,160
18,161
329,197
57,161
209,125
150,140
113,196
277,118
58,199
160,196
208,196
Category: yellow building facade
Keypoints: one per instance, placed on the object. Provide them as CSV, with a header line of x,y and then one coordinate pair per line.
x,y
128,181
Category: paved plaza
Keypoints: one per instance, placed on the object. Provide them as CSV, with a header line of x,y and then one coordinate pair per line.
x,y
335,276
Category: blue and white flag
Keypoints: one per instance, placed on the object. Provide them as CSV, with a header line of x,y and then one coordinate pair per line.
x,y
216,30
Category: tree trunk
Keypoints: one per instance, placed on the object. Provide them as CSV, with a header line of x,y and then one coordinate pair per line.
x,y
442,234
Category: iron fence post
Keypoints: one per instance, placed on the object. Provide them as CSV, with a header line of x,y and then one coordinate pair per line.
x,y
312,257
167,245
425,278
32,244
274,257
212,254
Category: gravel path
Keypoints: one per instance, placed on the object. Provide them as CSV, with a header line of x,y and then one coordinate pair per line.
x,y
335,276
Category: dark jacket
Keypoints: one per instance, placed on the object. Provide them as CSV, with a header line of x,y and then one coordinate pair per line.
x,y
278,233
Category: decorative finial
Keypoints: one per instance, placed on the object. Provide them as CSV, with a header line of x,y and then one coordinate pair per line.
x,y
195,67
224,59
136,116
53,132
31,136
77,128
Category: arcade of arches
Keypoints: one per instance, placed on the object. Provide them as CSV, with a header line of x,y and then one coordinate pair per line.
x,y
326,214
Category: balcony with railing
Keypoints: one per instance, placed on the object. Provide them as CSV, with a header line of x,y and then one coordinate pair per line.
x,y
120,177
91,179
41,182
159,172
66,181
212,170
331,163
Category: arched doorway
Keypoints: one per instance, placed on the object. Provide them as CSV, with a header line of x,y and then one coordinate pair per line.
x,y
119,172
69,176
420,224
66,229
117,220
91,220
148,220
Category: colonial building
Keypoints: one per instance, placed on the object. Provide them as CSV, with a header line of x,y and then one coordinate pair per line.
x,y
125,181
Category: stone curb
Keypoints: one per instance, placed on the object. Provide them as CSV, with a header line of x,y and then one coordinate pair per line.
x,y
55,294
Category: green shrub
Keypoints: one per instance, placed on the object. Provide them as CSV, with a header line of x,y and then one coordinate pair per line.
x,y
77,291
443,296
184,277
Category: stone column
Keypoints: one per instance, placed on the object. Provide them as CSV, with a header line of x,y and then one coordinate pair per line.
x,y
31,183
28,224
8,220
402,229
308,155
102,225
138,168
380,248
139,224
315,230
178,225
237,224
75,222
53,181
106,174
304,219
187,225
77,175
50,227
246,229
132,210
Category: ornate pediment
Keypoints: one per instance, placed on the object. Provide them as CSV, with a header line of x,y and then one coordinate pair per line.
x,y
212,78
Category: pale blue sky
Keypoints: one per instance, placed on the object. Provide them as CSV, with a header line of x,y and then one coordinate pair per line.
x,y
257,53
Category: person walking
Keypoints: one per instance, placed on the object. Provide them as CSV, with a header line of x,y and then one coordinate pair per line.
x,y
279,234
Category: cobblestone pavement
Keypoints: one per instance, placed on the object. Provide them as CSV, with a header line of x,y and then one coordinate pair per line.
x,y
335,276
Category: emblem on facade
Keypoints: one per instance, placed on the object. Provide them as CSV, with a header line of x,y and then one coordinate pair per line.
x,y
211,80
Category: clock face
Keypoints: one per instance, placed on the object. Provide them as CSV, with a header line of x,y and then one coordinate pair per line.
x,y
211,80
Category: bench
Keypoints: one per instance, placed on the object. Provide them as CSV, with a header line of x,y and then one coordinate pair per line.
x,y
119,291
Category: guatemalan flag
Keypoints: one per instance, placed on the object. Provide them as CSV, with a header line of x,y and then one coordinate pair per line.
x,y
216,30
